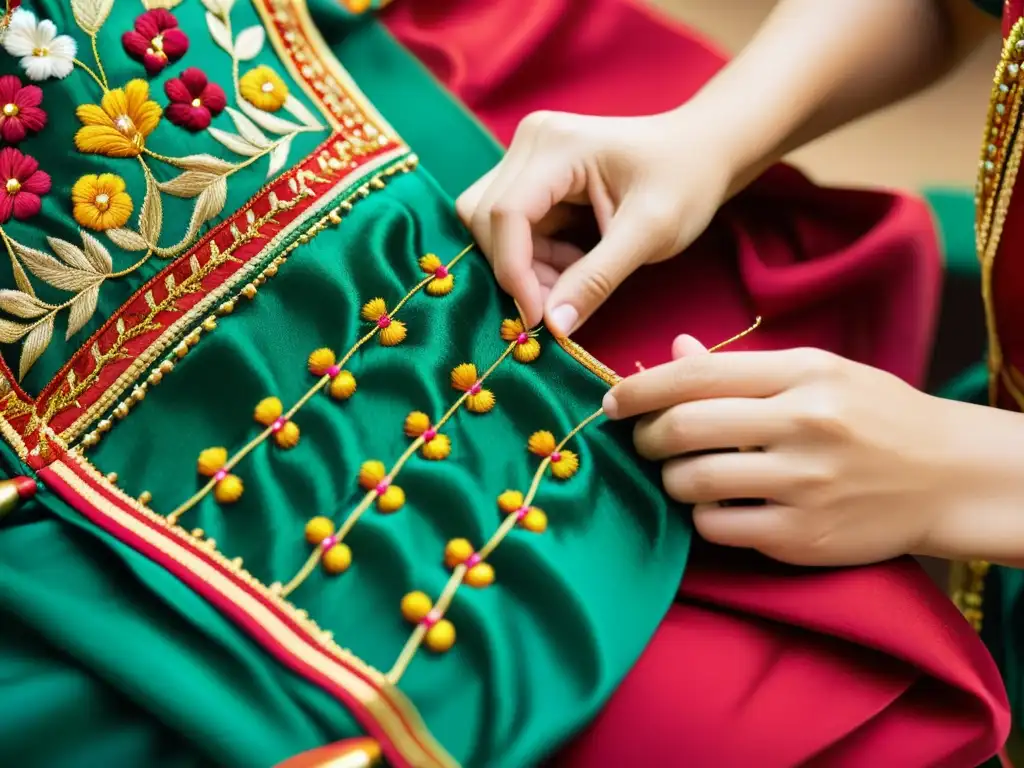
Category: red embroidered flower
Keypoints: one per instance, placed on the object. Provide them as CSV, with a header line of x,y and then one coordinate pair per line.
x,y
194,100
156,40
19,109
23,183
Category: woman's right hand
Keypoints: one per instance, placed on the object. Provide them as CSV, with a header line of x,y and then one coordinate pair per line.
x,y
653,184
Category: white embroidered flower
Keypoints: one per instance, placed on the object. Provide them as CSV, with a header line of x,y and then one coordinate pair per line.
x,y
42,51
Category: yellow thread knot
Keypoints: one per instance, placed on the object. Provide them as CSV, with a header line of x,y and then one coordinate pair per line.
x,y
437,449
440,637
564,464
228,490
535,521
416,606
320,360
463,376
481,402
510,501
416,423
268,410
288,435
480,575
374,310
342,386
211,460
457,551
391,500
318,529
393,333
371,473
541,443
527,348
337,559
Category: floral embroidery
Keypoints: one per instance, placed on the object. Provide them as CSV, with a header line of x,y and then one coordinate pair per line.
x,y
194,100
101,202
23,184
156,40
263,88
43,53
120,126
20,112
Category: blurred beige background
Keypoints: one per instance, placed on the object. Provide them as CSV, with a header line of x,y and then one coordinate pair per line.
x,y
932,140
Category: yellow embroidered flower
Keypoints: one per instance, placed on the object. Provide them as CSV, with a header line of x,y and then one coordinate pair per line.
x,y
120,125
100,202
263,88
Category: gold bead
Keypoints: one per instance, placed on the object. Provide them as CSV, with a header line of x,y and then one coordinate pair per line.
x,y
209,324
90,440
510,501
337,559
226,308
342,386
145,497
377,183
249,291
228,490
334,217
166,366
104,425
416,606
121,411
457,551
480,575
111,477
139,392
441,636
535,521
318,529
198,533
271,270
391,500
181,350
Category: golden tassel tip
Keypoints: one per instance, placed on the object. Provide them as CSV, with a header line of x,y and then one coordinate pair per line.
x,y
463,377
564,464
211,461
391,500
480,400
534,521
361,752
337,557
371,474
541,443
436,447
320,361
416,606
228,489
416,423
457,551
510,501
318,529
392,332
480,575
440,637
268,410
374,310
342,386
286,434
15,490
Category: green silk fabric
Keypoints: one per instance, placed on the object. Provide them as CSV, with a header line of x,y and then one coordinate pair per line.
x,y
106,659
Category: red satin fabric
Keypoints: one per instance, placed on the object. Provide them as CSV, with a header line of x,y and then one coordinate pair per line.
x,y
756,664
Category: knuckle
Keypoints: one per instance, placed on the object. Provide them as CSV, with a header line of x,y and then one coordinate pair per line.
x,y
824,412
596,286
465,206
532,123
815,363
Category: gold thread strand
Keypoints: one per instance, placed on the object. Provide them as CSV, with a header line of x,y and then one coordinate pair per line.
x,y
231,463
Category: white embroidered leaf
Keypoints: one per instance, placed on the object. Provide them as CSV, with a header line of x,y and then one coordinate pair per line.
x,y
120,326
206,163
21,304
10,331
219,7
97,254
128,239
279,156
193,264
209,204
90,14
20,278
267,120
233,142
82,309
70,254
151,217
249,43
165,4
47,268
248,130
189,184
170,283
218,31
35,344
300,113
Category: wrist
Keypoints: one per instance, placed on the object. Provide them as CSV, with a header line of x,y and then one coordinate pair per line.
x,y
978,509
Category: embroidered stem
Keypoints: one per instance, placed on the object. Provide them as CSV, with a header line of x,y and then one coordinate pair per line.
x,y
367,501
323,381
99,62
455,580
89,71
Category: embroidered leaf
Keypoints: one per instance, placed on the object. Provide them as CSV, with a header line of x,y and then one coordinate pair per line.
x,y
128,239
193,264
279,156
299,112
165,4
35,344
20,278
209,204
151,217
11,331
97,254
249,43
219,7
189,184
21,304
218,31
47,268
120,326
82,309
267,120
90,14
235,143
207,163
70,254
170,283
247,128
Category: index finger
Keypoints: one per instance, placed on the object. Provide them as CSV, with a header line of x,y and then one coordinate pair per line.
x,y
702,377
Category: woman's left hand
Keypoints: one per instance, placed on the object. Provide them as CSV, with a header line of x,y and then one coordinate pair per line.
x,y
856,466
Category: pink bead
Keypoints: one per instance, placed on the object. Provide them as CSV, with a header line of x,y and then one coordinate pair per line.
x,y
441,272
278,423
521,512
383,321
522,338
221,474
431,618
556,457
475,389
329,542
473,560
333,371
429,435
382,486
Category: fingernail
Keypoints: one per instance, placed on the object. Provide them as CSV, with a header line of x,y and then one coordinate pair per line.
x,y
610,406
563,318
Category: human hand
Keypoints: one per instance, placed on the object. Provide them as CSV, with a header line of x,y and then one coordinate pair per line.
x,y
653,183
856,465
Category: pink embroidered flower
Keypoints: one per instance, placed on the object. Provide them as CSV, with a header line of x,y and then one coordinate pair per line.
x,y
194,100
156,40
20,112
23,183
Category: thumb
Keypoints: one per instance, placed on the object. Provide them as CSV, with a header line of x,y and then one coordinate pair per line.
x,y
586,284
687,346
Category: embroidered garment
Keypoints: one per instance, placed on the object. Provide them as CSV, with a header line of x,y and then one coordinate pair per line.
x,y
304,480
